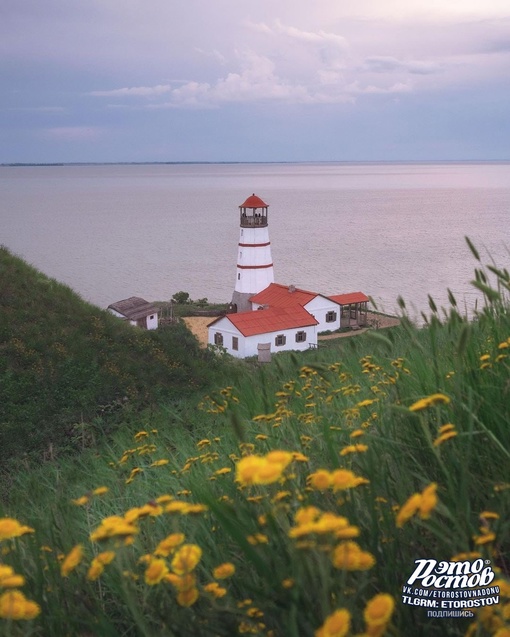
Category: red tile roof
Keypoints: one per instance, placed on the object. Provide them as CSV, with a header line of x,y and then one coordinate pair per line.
x,y
273,319
352,297
253,202
276,295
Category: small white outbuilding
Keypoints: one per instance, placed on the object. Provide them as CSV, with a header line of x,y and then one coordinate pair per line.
x,y
136,311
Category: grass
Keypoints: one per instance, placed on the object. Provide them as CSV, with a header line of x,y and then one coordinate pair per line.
x,y
71,372
320,478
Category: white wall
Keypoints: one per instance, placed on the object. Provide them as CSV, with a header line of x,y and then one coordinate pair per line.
x,y
253,280
319,307
248,345
152,324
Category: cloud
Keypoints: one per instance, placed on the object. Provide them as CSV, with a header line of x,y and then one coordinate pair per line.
x,y
313,37
71,133
398,87
136,91
388,64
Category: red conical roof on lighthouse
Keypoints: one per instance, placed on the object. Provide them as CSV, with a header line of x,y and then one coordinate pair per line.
x,y
253,202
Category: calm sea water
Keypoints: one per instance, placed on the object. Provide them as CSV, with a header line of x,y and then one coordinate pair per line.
x,y
115,231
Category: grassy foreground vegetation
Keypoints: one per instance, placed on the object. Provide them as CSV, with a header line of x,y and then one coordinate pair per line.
x,y
71,372
292,500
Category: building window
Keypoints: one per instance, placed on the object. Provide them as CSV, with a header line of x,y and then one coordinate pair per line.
x,y
330,317
300,337
280,339
238,276
235,343
218,339
151,317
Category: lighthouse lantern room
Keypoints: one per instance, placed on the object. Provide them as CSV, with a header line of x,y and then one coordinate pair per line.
x,y
254,263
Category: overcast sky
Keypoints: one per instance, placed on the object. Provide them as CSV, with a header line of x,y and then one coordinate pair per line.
x,y
254,80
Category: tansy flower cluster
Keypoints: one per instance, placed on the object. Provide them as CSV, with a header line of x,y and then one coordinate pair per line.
x,y
419,503
13,603
267,469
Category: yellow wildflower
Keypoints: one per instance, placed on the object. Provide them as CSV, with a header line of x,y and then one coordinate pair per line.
x,y
485,538
113,526
225,570
306,514
345,479
408,509
462,557
11,528
429,401
320,480
215,589
186,558
366,403
353,449
156,571
14,605
9,579
98,563
95,570
444,437
71,561
166,546
100,491
159,463
428,500
163,499
187,598
253,469
222,471
84,499
489,515
379,610
350,557
421,503
336,625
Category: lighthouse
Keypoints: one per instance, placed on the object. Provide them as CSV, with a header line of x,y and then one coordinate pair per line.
x,y
254,263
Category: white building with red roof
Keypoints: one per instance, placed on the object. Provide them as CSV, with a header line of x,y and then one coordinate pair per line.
x,y
283,328
326,311
269,315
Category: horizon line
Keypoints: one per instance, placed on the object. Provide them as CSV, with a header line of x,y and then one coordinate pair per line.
x,y
231,162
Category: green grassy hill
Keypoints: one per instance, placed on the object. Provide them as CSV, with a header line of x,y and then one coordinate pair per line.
x,y
69,370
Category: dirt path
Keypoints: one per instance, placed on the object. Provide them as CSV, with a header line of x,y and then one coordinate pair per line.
x,y
198,326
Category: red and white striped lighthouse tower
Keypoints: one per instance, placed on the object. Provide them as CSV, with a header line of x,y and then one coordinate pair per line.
x,y
254,263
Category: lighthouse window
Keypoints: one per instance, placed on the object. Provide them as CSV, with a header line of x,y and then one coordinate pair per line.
x,y
330,317
218,339
238,276
235,343
300,337
280,339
